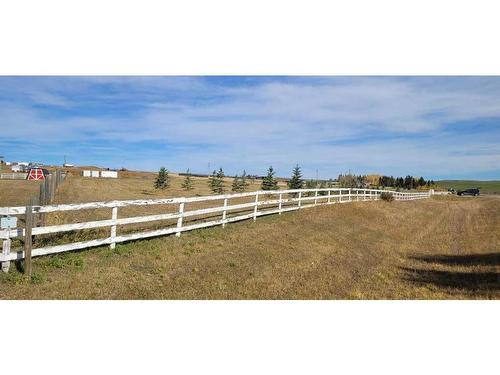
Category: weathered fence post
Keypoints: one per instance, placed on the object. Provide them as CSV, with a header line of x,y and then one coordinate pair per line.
x,y
28,240
316,197
53,188
300,198
329,198
5,252
256,205
179,220
224,213
280,204
41,201
114,217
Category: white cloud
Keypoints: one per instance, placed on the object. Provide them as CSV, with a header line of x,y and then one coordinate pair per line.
x,y
280,122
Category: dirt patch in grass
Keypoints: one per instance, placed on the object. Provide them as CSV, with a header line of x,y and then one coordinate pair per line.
x,y
442,248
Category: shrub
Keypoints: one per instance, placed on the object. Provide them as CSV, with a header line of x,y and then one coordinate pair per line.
x,y
388,197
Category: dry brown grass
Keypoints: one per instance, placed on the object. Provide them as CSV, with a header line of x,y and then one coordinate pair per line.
x,y
445,248
17,192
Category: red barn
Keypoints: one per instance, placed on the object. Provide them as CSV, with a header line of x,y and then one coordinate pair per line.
x,y
36,174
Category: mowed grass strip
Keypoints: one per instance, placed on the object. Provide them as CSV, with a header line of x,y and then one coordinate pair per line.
x,y
441,248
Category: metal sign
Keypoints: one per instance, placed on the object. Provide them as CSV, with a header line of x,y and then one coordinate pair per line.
x,y
8,222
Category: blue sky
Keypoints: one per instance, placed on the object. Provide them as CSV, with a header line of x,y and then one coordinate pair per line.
x,y
438,127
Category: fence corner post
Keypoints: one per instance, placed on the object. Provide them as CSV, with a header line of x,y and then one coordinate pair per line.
x,y
224,213
5,252
256,205
114,217
179,220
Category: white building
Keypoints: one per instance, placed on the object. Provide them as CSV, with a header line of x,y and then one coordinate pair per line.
x,y
102,174
109,174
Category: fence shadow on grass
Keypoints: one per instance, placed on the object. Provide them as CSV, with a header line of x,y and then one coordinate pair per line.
x,y
488,259
474,281
477,282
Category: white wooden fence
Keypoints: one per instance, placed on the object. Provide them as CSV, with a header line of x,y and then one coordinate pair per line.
x,y
264,203
13,176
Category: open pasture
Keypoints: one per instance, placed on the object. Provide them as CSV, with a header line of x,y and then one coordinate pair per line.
x,y
439,248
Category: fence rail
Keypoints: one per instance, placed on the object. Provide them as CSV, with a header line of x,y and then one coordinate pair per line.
x,y
265,203
13,176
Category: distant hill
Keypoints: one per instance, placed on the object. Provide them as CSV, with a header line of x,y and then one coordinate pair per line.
x,y
485,186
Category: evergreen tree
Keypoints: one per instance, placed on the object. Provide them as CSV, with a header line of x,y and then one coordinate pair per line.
x,y
216,182
212,181
236,186
187,184
421,181
408,182
269,182
244,181
296,181
162,180
220,179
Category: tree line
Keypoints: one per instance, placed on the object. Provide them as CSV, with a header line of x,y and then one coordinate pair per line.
x,y
408,182
240,183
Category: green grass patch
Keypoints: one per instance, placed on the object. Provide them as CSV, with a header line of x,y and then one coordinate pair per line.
x,y
484,186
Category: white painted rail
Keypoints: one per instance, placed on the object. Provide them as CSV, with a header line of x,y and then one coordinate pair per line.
x,y
263,203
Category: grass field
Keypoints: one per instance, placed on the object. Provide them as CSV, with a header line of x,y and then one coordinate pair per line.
x,y
441,248
487,187
130,185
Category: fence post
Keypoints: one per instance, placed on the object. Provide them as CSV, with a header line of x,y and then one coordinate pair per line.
x,y
179,220
279,206
5,252
316,197
224,214
114,217
300,198
46,189
28,240
329,198
255,208
53,188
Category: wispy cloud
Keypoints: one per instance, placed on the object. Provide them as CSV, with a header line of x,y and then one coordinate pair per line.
x,y
435,126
